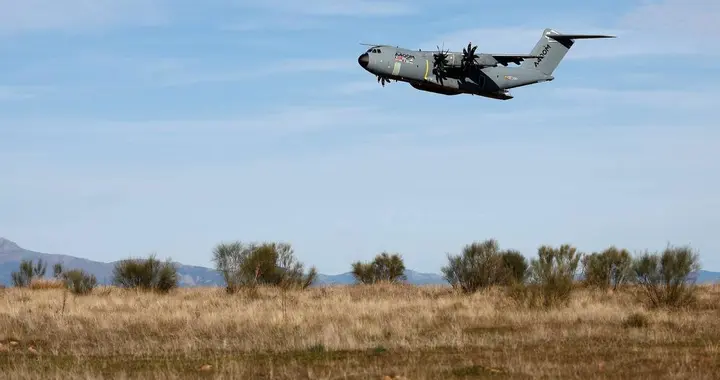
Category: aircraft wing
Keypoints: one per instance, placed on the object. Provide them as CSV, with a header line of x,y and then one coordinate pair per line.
x,y
504,59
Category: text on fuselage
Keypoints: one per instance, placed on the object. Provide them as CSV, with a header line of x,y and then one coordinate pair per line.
x,y
402,57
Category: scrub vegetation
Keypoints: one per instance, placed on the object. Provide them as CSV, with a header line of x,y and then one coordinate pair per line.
x,y
561,314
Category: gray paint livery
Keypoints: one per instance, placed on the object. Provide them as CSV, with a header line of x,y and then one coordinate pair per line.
x,y
489,75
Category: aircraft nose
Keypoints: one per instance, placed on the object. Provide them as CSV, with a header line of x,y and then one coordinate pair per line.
x,y
363,60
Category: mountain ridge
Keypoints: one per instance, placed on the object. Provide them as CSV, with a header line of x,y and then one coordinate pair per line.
x,y
11,254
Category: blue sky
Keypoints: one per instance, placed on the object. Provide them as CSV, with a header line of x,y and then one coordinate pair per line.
x,y
136,126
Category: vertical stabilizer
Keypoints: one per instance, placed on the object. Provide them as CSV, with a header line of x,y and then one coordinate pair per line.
x,y
552,48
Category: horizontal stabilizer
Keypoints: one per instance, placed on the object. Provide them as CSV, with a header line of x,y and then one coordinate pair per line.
x,y
577,36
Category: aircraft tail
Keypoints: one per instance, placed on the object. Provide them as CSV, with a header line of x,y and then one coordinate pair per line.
x,y
551,49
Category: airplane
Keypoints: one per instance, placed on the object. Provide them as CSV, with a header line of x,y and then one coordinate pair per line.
x,y
454,73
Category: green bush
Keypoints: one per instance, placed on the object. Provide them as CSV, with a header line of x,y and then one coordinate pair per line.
x,y
483,264
384,268
146,274
79,282
516,267
553,273
58,270
610,268
28,272
665,278
249,265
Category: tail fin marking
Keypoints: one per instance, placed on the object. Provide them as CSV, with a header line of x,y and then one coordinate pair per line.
x,y
552,48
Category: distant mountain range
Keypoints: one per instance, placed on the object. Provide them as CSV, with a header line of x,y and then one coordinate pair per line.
x,y
11,254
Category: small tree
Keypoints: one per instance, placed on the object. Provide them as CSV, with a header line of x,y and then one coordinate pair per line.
x,y
231,259
385,267
610,268
248,265
554,272
482,265
39,269
146,274
58,270
27,272
79,282
665,278
283,268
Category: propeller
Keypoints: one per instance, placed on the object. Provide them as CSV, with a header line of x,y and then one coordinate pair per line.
x,y
440,64
469,57
383,80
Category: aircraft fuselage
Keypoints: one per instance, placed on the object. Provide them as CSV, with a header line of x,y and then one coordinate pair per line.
x,y
416,68
489,76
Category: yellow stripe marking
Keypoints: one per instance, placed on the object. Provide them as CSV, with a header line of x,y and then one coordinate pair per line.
x,y
427,67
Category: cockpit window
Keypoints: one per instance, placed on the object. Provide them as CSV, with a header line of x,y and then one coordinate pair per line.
x,y
373,50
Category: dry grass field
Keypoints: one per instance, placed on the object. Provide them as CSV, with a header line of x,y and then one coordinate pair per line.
x,y
360,332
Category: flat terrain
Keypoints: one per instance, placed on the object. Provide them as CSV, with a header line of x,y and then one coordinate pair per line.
x,y
364,332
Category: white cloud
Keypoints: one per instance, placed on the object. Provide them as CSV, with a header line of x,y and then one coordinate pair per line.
x,y
30,15
313,14
172,71
263,123
488,40
706,100
521,40
667,27
284,23
351,88
177,73
13,93
336,7
677,17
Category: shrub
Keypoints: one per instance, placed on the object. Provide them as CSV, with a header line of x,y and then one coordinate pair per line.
x,y
526,295
636,320
248,265
58,270
28,272
610,268
554,273
384,268
146,274
665,278
516,267
482,265
79,282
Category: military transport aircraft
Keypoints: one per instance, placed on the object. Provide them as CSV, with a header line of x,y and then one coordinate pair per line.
x,y
454,73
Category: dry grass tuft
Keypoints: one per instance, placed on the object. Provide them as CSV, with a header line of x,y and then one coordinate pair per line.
x,y
46,284
636,320
355,332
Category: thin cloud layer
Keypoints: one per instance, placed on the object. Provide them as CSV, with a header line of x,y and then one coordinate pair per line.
x,y
668,27
335,7
678,18
39,15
